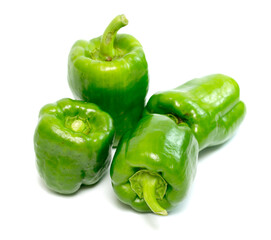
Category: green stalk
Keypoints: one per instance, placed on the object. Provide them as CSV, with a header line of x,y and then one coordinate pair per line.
x,y
107,51
150,186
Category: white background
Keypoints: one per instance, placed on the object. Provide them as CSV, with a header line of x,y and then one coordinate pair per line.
x,y
230,197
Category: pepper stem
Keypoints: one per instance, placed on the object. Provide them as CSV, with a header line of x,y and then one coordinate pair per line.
x,y
107,51
178,120
150,186
78,125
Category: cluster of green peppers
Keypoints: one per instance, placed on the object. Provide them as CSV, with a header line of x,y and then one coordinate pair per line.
x,y
157,144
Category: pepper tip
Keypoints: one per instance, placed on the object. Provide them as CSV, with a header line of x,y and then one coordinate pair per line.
x,y
124,20
162,213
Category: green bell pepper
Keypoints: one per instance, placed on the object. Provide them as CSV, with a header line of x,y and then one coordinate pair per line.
x,y
112,72
155,164
72,143
209,105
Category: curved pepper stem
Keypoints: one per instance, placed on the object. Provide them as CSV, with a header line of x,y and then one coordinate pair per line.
x,y
107,51
150,186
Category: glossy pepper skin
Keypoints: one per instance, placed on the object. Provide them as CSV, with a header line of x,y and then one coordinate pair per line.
x,y
112,72
155,164
210,106
72,143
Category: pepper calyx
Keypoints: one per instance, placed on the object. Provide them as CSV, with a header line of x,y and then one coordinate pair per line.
x,y
78,124
150,186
